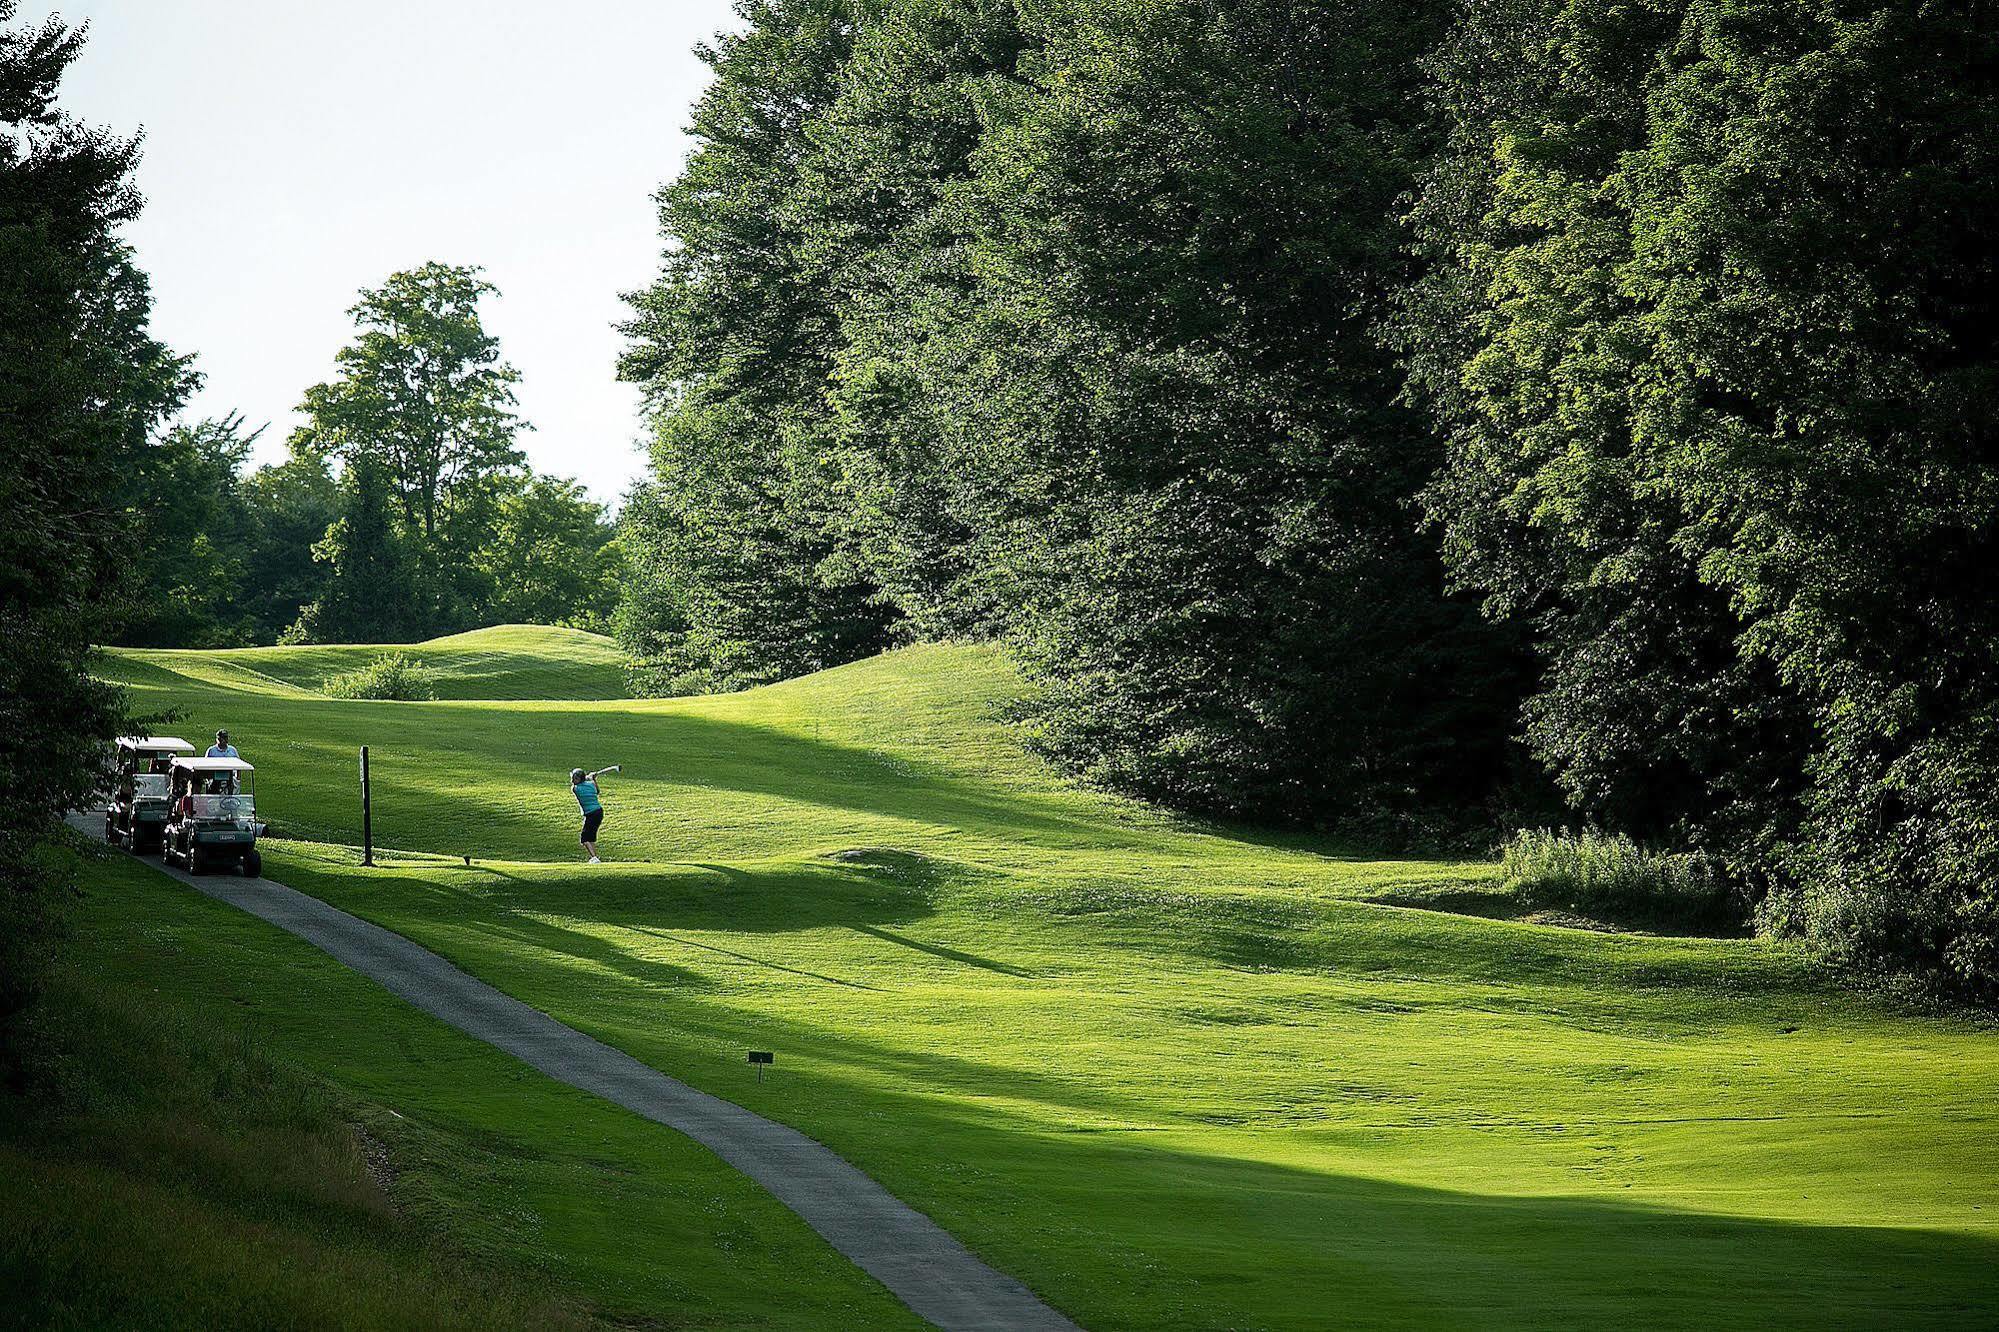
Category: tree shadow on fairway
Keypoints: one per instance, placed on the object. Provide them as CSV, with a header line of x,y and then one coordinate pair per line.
x,y
755,898
442,797
1224,1241
939,951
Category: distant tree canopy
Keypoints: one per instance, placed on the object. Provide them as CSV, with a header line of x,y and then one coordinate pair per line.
x,y
1227,360
424,404
404,509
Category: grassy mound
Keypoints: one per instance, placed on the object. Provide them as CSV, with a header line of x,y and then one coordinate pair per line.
x,y
1172,1076
509,661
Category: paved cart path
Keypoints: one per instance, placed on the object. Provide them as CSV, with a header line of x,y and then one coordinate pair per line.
x,y
905,1250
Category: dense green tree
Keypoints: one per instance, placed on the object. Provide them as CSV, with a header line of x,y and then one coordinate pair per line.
x,y
83,386
290,505
883,232
732,344
374,591
552,559
191,538
1060,326
1711,325
1186,238
423,395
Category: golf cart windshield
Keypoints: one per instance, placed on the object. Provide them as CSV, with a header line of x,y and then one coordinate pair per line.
x,y
233,808
216,789
150,786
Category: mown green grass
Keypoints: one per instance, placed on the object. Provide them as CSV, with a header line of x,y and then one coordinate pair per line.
x,y
188,1150
1170,1076
508,662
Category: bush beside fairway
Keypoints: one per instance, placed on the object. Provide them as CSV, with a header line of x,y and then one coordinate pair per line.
x,y
184,1154
1170,1076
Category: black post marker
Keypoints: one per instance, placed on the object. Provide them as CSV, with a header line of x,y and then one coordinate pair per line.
x,y
758,1058
367,814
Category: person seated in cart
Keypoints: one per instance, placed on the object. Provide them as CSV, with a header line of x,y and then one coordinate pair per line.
x,y
214,822
137,809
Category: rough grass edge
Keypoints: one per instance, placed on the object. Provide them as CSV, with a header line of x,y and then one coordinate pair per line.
x,y
1611,876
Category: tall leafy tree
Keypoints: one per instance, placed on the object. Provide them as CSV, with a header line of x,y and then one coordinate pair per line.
x,y
1058,323
1711,326
424,396
1193,475
191,533
732,344
83,386
290,505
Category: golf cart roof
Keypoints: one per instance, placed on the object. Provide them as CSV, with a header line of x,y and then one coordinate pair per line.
x,y
155,744
213,765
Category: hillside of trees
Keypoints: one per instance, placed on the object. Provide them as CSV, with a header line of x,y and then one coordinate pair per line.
x,y
1402,420
1409,422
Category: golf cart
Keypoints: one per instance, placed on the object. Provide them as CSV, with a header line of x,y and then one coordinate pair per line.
x,y
213,819
137,815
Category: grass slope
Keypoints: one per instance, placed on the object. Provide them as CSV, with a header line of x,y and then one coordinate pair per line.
x,y
1171,1076
509,661
189,1151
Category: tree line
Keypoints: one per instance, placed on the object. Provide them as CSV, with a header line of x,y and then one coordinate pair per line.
x,y
1397,419
402,510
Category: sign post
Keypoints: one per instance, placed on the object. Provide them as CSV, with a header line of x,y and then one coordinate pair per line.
x,y
367,814
759,1058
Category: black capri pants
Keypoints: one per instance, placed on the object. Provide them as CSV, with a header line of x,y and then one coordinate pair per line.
x,y
590,824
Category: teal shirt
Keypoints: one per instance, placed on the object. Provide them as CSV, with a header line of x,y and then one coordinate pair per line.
x,y
586,796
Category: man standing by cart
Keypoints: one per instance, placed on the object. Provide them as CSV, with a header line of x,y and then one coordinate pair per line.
x,y
222,748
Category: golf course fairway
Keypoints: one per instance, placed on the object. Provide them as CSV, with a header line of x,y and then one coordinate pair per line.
x,y
1169,1075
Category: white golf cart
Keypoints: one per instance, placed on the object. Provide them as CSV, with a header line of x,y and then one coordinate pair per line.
x,y
136,816
213,819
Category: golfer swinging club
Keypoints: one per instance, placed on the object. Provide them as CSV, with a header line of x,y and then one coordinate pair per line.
x,y
584,786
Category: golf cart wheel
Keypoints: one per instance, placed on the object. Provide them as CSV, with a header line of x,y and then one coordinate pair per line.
x,y
196,862
110,830
253,864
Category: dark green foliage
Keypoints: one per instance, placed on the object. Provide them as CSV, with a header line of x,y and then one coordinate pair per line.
x,y
82,386
290,506
733,342
1711,324
1061,327
191,539
551,558
374,585
1185,230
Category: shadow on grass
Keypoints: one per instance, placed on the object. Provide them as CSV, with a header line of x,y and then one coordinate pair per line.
x,y
435,767
1498,903
773,899
1231,1242
947,954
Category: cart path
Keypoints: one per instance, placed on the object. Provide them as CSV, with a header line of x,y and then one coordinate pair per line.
x,y
905,1250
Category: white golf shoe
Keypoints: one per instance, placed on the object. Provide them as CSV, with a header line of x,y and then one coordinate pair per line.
x,y
595,860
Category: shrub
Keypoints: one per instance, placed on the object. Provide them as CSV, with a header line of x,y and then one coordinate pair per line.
x,y
389,676
1610,875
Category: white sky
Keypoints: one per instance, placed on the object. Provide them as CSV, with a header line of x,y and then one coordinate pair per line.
x,y
296,151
